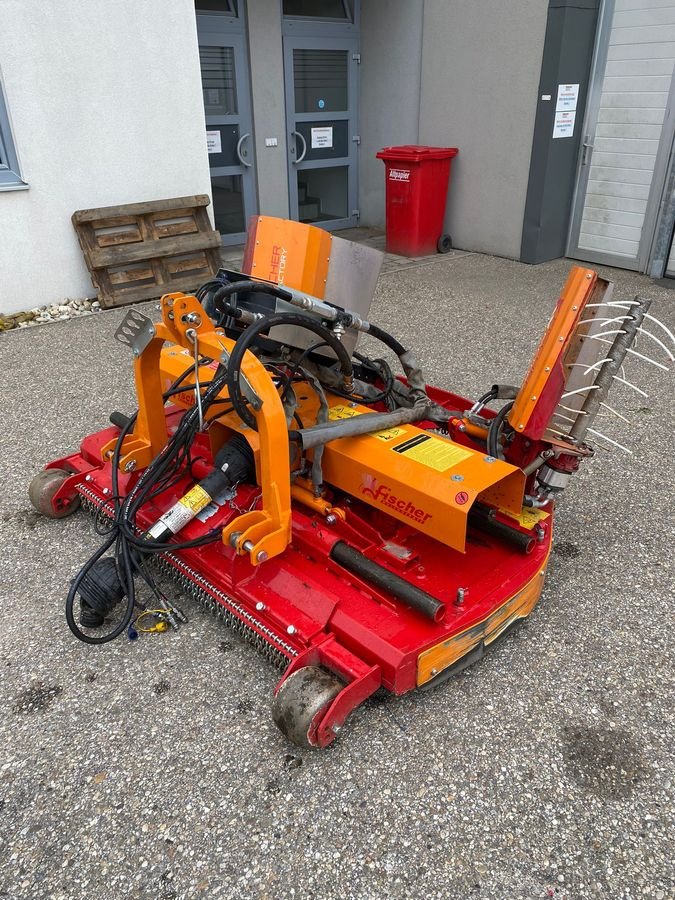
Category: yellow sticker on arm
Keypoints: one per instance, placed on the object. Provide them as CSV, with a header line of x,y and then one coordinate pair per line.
x,y
195,499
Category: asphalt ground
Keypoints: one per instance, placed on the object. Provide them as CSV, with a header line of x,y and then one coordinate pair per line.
x,y
153,770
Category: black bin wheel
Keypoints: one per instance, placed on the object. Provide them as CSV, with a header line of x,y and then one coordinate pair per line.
x,y
444,244
41,493
301,702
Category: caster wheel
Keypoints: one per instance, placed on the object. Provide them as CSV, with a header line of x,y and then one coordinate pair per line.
x,y
444,244
41,493
301,702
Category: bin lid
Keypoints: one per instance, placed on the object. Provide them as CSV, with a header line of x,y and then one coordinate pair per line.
x,y
416,153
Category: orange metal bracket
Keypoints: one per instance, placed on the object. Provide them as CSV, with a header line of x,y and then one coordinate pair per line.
x,y
261,533
546,364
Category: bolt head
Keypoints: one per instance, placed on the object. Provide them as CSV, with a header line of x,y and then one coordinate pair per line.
x,y
457,477
262,556
291,629
331,519
260,606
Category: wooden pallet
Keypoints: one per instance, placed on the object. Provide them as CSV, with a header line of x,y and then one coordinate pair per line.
x,y
139,251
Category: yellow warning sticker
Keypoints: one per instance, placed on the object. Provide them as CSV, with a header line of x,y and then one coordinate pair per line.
x,y
389,434
195,499
433,452
343,412
528,518
348,412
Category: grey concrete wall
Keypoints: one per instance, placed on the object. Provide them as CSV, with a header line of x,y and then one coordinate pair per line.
x,y
480,75
269,112
391,45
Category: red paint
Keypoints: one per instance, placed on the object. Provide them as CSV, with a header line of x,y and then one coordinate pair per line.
x,y
362,634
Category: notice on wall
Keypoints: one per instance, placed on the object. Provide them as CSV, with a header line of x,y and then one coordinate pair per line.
x,y
568,94
213,142
322,138
565,110
563,124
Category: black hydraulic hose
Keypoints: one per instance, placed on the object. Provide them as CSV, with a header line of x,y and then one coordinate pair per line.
x,y
247,287
354,561
381,335
494,430
246,339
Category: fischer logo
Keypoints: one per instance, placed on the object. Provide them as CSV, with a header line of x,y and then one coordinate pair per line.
x,y
278,264
381,493
399,174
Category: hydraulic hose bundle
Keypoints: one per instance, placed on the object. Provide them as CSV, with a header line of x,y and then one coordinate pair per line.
x,y
107,580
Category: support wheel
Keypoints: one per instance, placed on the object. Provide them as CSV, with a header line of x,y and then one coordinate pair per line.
x,y
301,702
41,492
444,244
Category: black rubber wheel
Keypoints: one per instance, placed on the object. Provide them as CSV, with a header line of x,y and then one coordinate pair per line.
x,y
444,244
41,492
301,702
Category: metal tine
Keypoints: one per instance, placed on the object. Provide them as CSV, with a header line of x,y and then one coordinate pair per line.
x,y
557,415
610,441
604,319
597,337
614,412
623,303
581,390
635,388
659,342
626,304
579,412
590,368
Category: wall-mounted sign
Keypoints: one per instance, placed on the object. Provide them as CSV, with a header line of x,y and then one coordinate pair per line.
x,y
322,138
565,110
568,94
213,143
563,124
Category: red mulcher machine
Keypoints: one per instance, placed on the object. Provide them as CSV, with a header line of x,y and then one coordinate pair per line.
x,y
362,529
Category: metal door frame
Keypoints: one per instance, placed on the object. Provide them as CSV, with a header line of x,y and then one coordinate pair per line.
x,y
303,35
647,245
227,31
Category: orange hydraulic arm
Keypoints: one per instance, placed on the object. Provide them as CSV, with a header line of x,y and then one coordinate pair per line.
x,y
261,533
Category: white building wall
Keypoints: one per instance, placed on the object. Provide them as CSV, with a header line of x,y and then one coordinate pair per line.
x,y
106,107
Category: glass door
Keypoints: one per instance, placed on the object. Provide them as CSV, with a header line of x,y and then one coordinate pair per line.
x,y
227,107
321,90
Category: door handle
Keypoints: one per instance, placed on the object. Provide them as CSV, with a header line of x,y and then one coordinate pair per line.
x,y
587,150
241,140
304,148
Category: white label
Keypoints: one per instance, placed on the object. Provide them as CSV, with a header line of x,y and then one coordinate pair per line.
x,y
563,124
399,174
545,96
213,143
568,94
271,142
322,138
175,519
